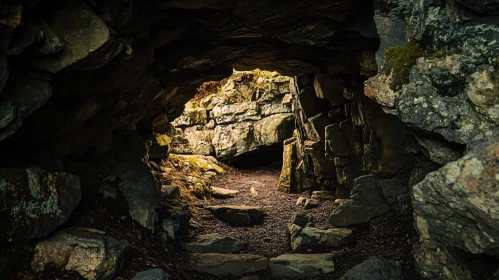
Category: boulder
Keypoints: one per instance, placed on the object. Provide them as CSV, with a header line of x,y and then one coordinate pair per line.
x,y
365,203
160,147
298,266
191,116
139,188
311,203
223,193
274,129
444,200
93,255
236,113
304,239
82,32
204,163
228,264
238,215
301,221
375,268
213,243
152,274
35,202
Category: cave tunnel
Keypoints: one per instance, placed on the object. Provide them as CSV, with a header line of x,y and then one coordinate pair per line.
x,y
216,139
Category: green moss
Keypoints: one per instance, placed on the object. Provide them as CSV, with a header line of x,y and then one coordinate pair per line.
x,y
400,60
441,53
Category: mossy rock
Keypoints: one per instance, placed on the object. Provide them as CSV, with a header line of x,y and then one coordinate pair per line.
x,y
399,62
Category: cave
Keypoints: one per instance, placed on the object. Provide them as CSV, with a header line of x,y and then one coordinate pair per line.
x,y
339,139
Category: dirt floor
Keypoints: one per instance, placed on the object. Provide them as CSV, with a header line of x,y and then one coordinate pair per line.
x,y
389,236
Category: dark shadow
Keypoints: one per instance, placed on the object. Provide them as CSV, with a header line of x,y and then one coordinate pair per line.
x,y
267,157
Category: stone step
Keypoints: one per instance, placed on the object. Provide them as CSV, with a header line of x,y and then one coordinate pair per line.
x,y
238,215
228,264
223,193
213,243
297,266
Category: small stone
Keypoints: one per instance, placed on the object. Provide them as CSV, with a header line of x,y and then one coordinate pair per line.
x,y
301,201
311,203
301,220
170,191
322,195
223,193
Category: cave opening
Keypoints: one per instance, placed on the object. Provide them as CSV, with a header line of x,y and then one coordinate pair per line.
x,y
355,138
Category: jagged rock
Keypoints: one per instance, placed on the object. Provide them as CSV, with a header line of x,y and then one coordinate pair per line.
x,y
228,264
83,33
213,243
233,140
274,108
375,268
487,7
93,255
287,180
238,215
274,129
141,192
439,151
223,193
443,200
303,239
301,266
35,202
322,166
335,142
316,127
152,274
236,113
366,202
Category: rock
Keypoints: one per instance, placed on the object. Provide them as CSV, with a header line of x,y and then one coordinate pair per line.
x,y
307,239
236,113
228,264
274,108
233,140
444,200
223,193
141,193
190,117
311,203
298,266
439,151
486,7
301,201
366,202
170,191
323,167
4,70
375,268
213,243
238,215
204,163
301,220
35,202
287,180
316,127
274,129
322,195
152,274
159,147
93,255
83,33
335,142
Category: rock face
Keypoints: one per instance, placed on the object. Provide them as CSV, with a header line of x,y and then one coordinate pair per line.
x,y
444,199
93,255
228,264
35,202
300,266
375,268
242,115
238,215
213,243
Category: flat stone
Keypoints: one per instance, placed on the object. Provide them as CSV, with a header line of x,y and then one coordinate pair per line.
x,y
375,268
295,266
228,264
301,220
304,239
223,193
311,203
152,274
213,243
301,200
93,255
238,215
